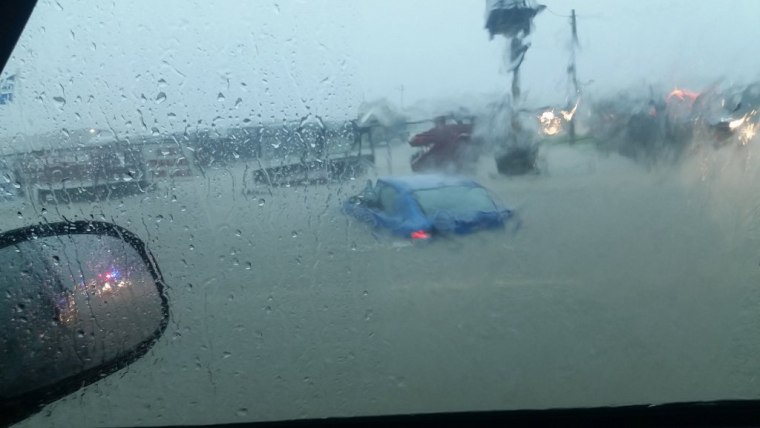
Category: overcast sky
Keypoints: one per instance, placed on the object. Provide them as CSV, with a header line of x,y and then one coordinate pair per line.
x,y
137,65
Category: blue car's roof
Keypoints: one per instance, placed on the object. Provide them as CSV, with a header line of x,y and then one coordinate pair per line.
x,y
426,181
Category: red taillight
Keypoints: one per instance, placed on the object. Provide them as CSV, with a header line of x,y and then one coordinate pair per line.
x,y
420,234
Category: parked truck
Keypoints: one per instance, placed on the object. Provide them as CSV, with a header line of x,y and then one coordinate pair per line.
x,y
71,174
91,164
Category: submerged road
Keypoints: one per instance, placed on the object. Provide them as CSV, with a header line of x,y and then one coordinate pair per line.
x,y
622,286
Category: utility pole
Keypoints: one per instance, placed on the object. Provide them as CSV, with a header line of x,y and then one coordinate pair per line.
x,y
571,70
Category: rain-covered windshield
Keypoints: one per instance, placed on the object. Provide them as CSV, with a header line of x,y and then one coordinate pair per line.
x,y
232,136
454,200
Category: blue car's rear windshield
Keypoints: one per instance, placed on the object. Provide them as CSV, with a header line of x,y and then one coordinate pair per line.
x,y
454,200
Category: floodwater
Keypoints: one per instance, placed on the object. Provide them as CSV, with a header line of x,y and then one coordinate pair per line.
x,y
621,285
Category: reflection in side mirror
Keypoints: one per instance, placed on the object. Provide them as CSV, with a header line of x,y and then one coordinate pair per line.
x,y
77,302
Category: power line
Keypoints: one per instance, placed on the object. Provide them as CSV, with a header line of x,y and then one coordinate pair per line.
x,y
577,15
557,14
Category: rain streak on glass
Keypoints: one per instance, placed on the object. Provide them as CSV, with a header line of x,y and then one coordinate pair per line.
x,y
357,206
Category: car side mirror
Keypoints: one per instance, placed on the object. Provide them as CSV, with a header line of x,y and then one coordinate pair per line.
x,y
78,301
368,196
368,188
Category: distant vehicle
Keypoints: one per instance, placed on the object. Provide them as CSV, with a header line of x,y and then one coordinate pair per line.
x,y
312,153
422,206
653,128
447,146
733,114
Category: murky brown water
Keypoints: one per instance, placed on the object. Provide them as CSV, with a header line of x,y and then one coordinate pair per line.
x,y
622,286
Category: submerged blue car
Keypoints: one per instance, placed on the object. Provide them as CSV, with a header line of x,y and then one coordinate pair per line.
x,y
421,206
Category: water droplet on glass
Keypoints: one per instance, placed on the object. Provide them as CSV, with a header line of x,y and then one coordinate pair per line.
x,y
262,201
248,266
161,97
242,411
59,101
226,354
238,102
294,234
80,333
220,97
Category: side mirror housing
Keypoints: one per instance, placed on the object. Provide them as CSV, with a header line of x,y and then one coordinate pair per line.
x,y
368,188
506,213
368,196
